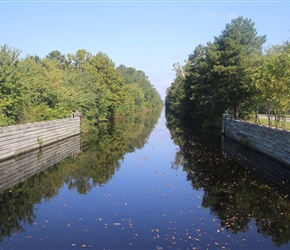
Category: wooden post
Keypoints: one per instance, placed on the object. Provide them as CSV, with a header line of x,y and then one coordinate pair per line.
x,y
78,114
224,117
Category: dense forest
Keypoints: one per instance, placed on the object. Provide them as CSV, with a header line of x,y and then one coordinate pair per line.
x,y
232,73
36,89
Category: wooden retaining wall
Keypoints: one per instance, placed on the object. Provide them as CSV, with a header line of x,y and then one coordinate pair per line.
x,y
270,141
18,139
18,169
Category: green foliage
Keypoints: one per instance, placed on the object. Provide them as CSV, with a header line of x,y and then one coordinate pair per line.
x,y
34,89
9,83
144,94
39,141
175,95
219,76
273,80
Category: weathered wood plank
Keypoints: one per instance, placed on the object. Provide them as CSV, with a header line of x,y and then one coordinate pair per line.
x,y
15,140
31,126
22,133
39,133
268,140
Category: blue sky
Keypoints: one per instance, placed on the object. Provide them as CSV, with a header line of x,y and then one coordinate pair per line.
x,y
148,35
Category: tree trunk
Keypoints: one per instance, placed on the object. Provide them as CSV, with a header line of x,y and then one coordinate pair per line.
x,y
257,120
236,111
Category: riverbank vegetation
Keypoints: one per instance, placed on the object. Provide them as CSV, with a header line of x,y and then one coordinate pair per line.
x,y
232,73
36,89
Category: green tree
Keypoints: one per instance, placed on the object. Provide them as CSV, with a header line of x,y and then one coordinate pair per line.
x,y
216,75
9,84
234,46
80,59
272,78
146,96
175,94
198,77
60,58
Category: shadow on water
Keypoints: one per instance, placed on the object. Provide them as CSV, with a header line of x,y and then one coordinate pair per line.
x,y
240,186
29,179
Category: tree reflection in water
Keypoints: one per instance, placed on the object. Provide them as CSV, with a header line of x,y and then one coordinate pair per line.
x,y
103,149
233,192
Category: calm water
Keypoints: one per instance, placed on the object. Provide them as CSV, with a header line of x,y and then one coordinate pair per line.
x,y
137,185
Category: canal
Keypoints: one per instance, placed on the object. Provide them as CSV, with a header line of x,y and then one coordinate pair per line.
x,y
145,183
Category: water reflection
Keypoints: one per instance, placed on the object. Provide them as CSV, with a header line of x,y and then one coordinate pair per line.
x,y
22,167
102,152
105,148
232,190
271,172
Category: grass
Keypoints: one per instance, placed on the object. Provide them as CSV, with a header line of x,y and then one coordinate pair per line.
x,y
264,122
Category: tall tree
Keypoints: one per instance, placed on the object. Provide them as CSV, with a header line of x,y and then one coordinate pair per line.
x,y
233,47
175,94
60,58
56,55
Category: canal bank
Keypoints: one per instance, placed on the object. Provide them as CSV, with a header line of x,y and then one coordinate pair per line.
x,y
270,141
19,139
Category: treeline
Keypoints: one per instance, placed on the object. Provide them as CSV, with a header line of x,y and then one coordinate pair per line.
x,y
36,89
232,73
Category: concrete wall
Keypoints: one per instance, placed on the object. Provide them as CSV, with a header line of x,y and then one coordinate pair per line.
x,y
18,139
270,141
21,167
